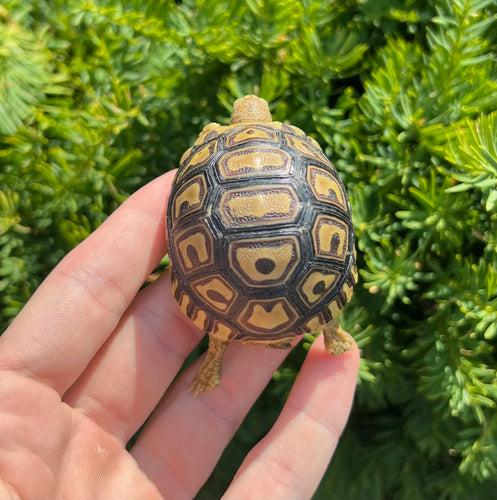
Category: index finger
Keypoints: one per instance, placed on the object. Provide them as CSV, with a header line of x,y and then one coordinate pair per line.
x,y
80,303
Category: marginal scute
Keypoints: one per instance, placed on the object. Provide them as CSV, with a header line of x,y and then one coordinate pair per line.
x,y
331,237
294,130
326,187
200,318
347,290
199,158
315,324
184,302
353,271
334,308
185,155
222,331
314,143
306,148
174,284
190,197
208,133
196,247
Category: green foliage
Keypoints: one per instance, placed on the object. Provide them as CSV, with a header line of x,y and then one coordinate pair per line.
x,y
97,98
23,74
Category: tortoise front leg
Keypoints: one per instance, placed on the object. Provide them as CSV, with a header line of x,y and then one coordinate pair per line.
x,y
209,375
336,340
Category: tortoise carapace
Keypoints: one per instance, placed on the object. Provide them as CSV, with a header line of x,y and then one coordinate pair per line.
x,y
260,235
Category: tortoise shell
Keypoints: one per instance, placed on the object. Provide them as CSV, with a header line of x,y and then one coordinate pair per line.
x,y
260,231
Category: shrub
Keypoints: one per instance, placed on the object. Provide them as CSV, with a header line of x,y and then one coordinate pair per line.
x,y
97,98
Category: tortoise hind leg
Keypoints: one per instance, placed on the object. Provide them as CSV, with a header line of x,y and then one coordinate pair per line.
x,y
336,340
209,375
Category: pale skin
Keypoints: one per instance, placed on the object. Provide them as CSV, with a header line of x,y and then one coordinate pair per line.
x,y
88,359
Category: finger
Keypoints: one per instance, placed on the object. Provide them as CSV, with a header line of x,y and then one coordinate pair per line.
x,y
128,376
291,460
186,436
79,304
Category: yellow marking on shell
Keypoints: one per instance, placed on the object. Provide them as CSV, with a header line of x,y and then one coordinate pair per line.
x,y
316,285
199,158
190,197
330,237
262,317
215,292
251,133
354,271
325,187
222,331
263,261
314,142
254,160
277,125
259,206
203,154
195,249
210,127
268,314
184,302
208,133
307,148
334,308
200,318
295,130
185,155
174,285
348,291
315,324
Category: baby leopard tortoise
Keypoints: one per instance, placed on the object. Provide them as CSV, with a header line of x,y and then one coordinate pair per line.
x,y
260,236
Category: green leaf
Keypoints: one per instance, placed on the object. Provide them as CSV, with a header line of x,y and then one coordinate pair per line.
x,y
24,72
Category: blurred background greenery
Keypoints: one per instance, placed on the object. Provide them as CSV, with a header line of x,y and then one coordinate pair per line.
x,y
99,97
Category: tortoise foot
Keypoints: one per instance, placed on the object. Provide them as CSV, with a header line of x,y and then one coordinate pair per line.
x,y
209,375
336,340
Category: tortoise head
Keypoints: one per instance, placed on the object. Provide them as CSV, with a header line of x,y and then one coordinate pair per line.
x,y
250,109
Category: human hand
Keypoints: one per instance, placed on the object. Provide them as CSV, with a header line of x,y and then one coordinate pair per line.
x,y
88,359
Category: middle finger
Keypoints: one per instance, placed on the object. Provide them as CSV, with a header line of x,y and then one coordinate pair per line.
x,y
130,373
181,444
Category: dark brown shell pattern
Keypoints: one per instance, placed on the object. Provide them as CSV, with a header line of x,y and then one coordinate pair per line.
x,y
260,235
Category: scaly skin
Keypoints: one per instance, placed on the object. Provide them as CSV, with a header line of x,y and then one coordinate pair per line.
x,y
336,340
209,375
